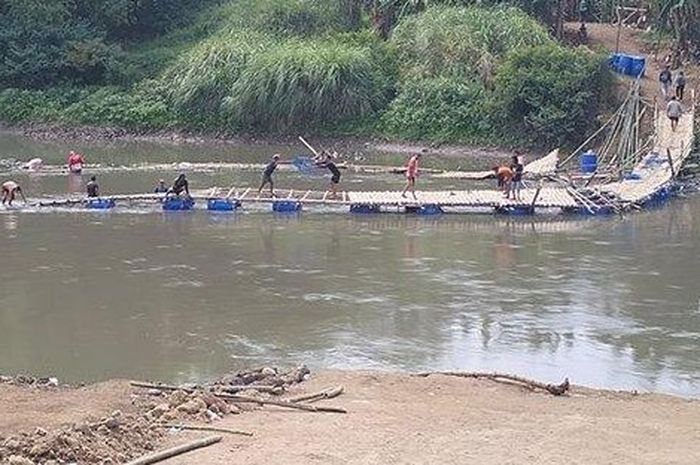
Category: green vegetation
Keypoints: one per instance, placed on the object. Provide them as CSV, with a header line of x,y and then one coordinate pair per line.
x,y
446,72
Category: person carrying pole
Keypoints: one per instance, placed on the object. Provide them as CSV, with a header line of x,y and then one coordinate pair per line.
x,y
325,160
411,175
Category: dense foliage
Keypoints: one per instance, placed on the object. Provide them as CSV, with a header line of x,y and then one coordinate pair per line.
x,y
445,73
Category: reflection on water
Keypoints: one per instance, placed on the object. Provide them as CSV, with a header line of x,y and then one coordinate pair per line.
x,y
610,303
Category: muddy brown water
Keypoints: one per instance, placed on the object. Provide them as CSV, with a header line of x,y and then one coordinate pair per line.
x,y
139,293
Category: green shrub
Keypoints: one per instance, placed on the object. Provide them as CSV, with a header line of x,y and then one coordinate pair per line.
x,y
440,109
302,83
551,94
457,41
142,108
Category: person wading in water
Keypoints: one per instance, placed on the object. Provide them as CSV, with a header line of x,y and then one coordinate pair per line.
x,y
92,188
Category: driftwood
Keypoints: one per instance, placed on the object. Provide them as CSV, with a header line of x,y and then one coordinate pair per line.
x,y
175,451
238,398
229,389
328,393
203,428
280,403
554,389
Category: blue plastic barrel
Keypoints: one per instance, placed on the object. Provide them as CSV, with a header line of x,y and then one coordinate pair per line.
x,y
100,204
624,64
589,162
363,208
222,205
614,61
178,204
636,66
286,206
430,209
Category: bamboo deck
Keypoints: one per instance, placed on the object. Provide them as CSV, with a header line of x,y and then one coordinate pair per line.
x,y
658,168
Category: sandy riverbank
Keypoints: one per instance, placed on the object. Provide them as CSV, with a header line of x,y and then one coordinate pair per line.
x,y
399,419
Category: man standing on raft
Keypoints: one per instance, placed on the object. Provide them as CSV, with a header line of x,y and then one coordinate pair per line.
x,y
267,175
9,190
411,176
325,160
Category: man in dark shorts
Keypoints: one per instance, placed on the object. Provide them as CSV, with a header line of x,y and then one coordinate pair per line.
x,y
516,183
9,190
326,161
267,175
180,185
674,110
92,188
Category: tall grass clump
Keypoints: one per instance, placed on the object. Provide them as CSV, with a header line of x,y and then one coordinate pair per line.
x,y
200,80
459,41
303,18
303,83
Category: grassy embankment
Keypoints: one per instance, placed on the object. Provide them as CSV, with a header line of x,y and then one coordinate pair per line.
x,y
458,74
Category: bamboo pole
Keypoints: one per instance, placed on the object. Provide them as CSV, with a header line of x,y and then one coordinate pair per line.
x,y
203,428
175,451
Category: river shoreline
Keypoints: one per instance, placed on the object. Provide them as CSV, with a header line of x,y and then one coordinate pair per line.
x,y
391,418
345,145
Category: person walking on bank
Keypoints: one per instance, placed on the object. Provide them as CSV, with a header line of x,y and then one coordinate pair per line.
x,y
411,176
674,110
92,188
267,175
665,80
679,84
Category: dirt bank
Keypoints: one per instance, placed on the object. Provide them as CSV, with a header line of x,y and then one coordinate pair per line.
x,y
396,419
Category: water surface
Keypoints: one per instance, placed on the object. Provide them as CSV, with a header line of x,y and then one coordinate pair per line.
x,y
142,294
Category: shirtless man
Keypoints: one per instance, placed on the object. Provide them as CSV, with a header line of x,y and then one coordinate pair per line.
x,y
411,175
9,190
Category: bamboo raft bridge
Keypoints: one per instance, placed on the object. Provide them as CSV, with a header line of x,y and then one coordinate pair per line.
x,y
628,175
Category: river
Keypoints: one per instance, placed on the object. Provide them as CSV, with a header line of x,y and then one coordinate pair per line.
x,y
610,302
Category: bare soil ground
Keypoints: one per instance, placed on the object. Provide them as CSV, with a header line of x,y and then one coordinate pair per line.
x,y
400,419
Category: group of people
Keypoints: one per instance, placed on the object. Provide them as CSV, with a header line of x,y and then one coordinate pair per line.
x,y
322,160
672,89
326,160
510,177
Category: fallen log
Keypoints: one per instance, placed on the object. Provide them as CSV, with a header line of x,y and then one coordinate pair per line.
x,y
321,395
280,403
156,457
229,389
554,389
203,428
